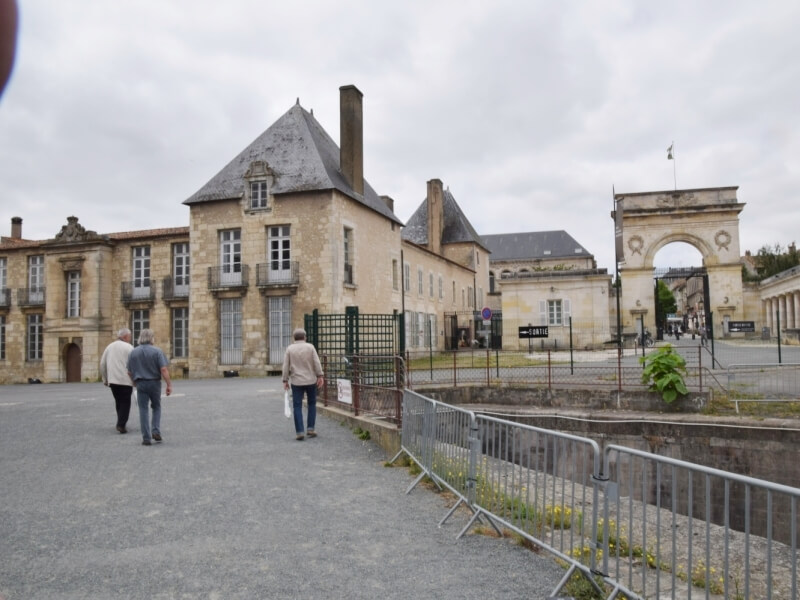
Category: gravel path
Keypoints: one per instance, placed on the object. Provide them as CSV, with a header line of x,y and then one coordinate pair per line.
x,y
229,506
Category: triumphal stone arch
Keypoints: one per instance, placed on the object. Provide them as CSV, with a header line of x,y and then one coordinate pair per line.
x,y
707,219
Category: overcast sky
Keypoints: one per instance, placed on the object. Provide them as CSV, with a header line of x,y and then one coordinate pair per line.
x,y
529,111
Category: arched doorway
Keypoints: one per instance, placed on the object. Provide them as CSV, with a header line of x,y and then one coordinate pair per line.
x,y
72,363
707,219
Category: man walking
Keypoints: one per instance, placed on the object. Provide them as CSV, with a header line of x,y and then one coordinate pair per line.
x,y
301,366
114,371
146,366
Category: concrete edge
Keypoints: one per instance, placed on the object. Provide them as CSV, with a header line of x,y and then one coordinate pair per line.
x,y
384,434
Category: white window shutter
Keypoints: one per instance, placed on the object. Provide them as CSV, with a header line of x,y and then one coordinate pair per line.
x,y
567,310
543,312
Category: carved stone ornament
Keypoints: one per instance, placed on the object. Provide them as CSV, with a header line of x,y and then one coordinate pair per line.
x,y
676,200
722,239
72,263
74,232
635,243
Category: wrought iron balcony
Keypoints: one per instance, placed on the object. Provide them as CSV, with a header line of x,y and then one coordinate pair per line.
x,y
228,277
172,291
278,273
5,298
30,296
138,291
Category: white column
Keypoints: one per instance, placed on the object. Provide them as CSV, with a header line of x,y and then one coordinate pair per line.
x,y
790,316
768,313
796,296
782,304
774,316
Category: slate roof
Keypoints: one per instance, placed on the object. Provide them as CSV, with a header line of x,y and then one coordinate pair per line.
x,y
532,245
457,227
302,156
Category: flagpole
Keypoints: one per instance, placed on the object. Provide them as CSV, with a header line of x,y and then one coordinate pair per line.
x,y
671,156
674,169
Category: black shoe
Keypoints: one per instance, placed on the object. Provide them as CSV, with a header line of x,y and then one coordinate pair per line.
x,y
157,437
146,443
121,429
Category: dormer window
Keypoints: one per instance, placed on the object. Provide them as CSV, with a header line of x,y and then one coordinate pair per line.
x,y
259,179
259,192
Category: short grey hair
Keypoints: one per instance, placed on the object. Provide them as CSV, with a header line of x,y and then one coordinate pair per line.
x,y
146,336
299,333
124,332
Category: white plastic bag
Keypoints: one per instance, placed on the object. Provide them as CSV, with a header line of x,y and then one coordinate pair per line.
x,y
287,405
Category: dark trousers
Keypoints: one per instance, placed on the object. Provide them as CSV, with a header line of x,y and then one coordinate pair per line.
x,y
122,398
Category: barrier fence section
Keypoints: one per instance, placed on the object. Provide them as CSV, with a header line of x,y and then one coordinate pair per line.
x,y
645,525
669,523
540,484
440,439
613,369
763,383
365,384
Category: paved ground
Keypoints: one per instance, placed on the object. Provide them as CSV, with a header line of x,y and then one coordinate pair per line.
x,y
229,506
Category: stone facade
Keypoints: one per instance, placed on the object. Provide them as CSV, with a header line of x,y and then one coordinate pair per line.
x,y
707,219
56,325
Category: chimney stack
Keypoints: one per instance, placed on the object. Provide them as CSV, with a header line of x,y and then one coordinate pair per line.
x,y
16,228
435,215
351,128
389,202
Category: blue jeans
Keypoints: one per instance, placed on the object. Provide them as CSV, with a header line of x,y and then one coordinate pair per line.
x,y
297,405
149,391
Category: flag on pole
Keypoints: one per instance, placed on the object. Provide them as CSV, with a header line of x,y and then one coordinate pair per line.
x,y
669,151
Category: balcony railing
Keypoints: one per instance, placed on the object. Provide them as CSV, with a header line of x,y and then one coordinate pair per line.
x,y
138,291
228,277
172,291
278,273
5,297
30,296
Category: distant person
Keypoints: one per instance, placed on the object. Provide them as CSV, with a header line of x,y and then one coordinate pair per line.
x,y
703,335
9,18
114,371
301,368
147,364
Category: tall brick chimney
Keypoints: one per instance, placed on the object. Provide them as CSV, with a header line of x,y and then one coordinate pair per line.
x,y
351,128
435,215
16,228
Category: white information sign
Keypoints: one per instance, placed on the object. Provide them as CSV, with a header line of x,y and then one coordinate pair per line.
x,y
344,392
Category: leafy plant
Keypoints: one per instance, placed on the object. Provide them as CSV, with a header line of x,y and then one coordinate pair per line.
x,y
664,370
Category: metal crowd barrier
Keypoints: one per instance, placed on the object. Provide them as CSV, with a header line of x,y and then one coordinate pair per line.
x,y
764,382
636,523
669,523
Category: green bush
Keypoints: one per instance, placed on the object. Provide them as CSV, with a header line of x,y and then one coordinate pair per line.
x,y
664,370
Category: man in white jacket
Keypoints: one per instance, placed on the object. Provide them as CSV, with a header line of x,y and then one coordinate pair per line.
x,y
114,371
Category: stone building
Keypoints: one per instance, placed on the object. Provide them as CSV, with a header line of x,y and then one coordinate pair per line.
x,y
445,274
288,226
63,299
548,278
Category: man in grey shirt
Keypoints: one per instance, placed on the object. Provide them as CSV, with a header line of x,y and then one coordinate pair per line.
x,y
147,364
301,366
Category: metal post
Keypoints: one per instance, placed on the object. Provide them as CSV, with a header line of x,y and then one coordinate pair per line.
x,y
549,373
487,366
571,362
325,387
430,347
455,369
700,366
778,327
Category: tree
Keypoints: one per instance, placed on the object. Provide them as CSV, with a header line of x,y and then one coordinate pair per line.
x,y
772,260
665,299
